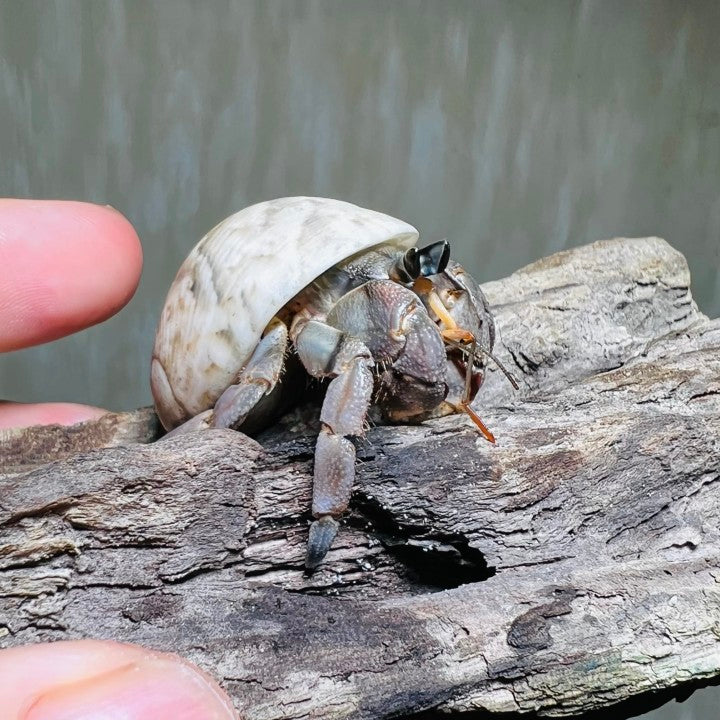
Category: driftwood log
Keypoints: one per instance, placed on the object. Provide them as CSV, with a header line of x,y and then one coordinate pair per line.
x,y
571,567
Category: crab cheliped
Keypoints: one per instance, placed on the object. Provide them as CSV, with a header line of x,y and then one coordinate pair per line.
x,y
386,322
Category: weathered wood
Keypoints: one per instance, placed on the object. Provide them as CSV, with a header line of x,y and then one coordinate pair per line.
x,y
571,567
23,448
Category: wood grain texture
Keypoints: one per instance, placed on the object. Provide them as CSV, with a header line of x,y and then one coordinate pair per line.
x,y
571,567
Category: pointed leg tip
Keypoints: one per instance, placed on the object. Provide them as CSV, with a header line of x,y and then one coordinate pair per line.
x,y
322,534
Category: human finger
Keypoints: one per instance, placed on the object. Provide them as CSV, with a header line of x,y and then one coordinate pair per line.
x,y
98,680
64,266
15,415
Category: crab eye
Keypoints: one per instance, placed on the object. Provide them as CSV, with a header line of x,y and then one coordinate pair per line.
x,y
406,267
434,258
411,263
430,260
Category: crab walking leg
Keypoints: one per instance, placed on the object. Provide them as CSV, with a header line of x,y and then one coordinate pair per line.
x,y
256,379
328,352
201,421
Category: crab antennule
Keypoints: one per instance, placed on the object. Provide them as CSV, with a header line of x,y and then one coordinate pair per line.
x,y
502,368
464,340
459,336
469,372
480,424
460,344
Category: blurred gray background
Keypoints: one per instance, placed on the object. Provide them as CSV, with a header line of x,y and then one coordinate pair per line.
x,y
515,129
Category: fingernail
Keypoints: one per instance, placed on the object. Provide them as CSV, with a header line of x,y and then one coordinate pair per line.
x,y
152,689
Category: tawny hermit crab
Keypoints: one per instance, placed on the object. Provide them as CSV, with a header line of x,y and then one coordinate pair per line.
x,y
360,304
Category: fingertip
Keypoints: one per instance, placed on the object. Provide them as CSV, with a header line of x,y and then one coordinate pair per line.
x,y
20,415
68,265
90,679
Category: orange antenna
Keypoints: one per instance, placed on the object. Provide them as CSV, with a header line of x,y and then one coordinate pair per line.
x,y
480,424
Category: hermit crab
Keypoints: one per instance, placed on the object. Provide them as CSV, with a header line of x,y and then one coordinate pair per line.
x,y
347,292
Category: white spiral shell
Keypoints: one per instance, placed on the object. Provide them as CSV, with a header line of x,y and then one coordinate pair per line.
x,y
237,277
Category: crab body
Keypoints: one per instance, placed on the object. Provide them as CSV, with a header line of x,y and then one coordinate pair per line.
x,y
346,287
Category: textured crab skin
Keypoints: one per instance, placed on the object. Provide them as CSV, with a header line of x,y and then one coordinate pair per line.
x,y
237,278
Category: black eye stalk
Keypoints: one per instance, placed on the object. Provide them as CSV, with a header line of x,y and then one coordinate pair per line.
x,y
430,260
434,258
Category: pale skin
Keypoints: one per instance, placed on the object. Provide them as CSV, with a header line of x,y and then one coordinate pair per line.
x,y
67,266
